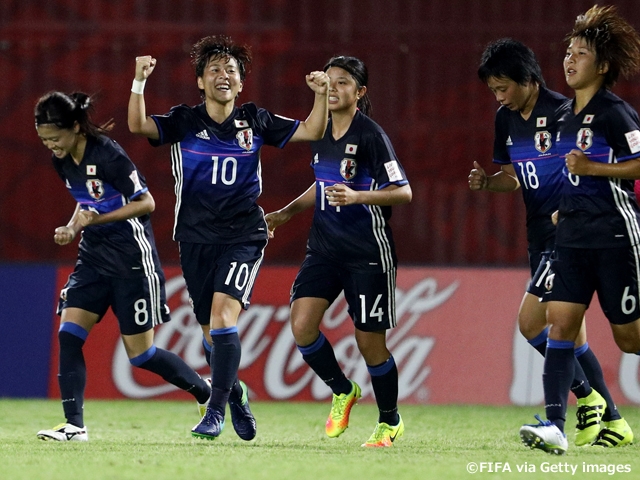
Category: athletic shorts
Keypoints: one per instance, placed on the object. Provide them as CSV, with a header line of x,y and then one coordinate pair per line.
x,y
138,303
370,296
539,264
227,268
576,273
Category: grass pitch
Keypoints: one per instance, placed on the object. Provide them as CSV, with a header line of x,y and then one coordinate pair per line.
x,y
141,440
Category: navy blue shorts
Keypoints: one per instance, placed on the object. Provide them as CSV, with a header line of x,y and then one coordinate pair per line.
x,y
576,273
370,296
138,303
539,262
227,268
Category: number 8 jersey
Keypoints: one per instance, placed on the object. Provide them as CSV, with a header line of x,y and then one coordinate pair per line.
x,y
217,170
530,146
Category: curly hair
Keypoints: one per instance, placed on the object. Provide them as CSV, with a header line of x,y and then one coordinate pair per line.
x,y
220,46
614,41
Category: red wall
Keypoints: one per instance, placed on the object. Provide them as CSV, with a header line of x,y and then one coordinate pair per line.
x,y
422,57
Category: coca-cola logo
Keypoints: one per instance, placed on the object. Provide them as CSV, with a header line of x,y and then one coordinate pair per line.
x,y
269,352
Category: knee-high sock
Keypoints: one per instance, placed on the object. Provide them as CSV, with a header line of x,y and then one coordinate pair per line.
x,y
580,386
225,360
236,390
593,370
322,360
384,380
72,374
559,363
173,369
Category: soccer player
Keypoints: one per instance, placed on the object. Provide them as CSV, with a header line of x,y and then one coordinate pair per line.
x,y
598,231
350,249
524,147
221,230
117,265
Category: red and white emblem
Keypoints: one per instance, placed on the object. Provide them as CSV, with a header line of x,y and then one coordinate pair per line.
x,y
542,141
95,189
245,139
348,168
584,139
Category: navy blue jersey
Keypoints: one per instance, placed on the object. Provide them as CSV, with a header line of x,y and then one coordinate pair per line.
x,y
529,146
356,236
599,212
105,180
217,170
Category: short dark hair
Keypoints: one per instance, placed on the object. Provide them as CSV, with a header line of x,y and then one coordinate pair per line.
x,y
509,58
358,70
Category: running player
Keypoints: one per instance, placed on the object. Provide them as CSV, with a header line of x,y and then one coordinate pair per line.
x,y
598,223
220,228
350,249
117,265
524,147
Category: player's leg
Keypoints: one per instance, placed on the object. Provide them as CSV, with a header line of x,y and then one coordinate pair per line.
x,y
83,301
371,299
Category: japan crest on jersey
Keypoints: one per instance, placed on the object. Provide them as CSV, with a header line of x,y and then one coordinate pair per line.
x,y
245,139
348,168
95,189
584,139
542,141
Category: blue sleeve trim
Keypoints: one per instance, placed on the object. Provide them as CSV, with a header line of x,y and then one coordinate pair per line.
x,y
74,329
137,194
288,137
140,359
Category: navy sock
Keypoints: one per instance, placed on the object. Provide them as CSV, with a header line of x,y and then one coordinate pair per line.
x,y
559,363
225,358
72,375
173,370
384,380
580,385
236,390
593,370
322,360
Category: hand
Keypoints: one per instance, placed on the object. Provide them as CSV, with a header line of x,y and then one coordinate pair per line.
x,y
86,217
339,195
64,235
274,220
144,67
318,82
577,162
554,217
478,178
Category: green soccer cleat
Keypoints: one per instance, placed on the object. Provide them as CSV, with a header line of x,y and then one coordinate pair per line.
x,y
616,433
589,414
341,406
384,435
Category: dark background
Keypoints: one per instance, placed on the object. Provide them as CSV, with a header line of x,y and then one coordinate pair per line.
x,y
422,58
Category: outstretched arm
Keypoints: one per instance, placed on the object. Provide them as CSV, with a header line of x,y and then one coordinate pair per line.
x,y
137,113
316,123
282,216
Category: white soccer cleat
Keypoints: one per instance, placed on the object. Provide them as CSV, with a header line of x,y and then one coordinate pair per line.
x,y
65,432
545,436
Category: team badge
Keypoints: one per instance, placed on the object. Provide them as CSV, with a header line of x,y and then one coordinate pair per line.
x,y
542,141
245,139
585,139
241,123
351,149
541,122
588,118
95,189
91,169
348,168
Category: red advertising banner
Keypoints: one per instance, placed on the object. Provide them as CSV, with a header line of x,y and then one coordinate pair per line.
x,y
456,342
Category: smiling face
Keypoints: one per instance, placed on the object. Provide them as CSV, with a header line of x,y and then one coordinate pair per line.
x,y
343,90
61,141
221,80
581,69
512,95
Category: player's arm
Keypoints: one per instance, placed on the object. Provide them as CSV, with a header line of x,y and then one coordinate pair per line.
x,y
65,235
135,208
316,123
340,195
503,181
579,164
137,113
282,216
